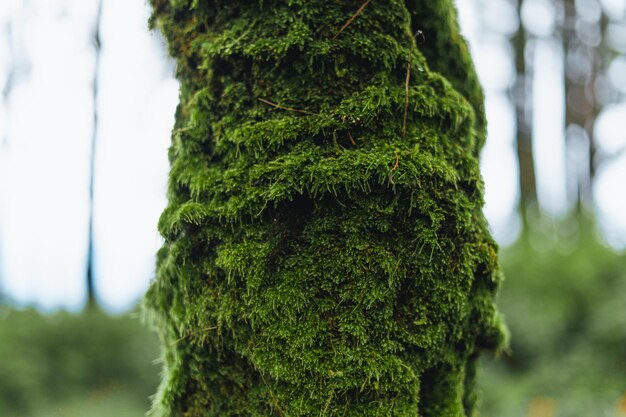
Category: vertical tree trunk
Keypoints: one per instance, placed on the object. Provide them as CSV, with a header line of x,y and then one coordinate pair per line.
x,y
582,106
325,251
91,290
524,139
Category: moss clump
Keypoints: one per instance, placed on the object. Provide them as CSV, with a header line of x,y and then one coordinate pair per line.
x,y
322,257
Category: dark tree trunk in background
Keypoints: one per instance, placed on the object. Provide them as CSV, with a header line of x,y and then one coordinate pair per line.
x,y
583,66
325,250
91,291
601,54
524,138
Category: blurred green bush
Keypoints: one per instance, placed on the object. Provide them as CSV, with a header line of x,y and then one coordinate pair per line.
x,y
564,301
84,365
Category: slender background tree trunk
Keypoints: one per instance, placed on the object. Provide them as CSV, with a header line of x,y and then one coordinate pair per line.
x,y
91,290
524,139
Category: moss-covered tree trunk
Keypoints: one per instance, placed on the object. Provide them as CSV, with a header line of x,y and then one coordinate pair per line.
x,y
325,251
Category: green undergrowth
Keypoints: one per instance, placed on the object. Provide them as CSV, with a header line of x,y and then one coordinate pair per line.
x,y
565,306
63,364
322,256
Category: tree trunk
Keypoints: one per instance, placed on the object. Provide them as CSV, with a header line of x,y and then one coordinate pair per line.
x,y
325,251
524,135
582,105
92,301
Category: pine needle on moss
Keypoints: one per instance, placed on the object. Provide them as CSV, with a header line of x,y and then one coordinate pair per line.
x,y
354,16
278,106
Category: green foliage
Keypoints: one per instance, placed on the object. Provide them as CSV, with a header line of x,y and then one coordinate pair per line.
x,y
564,303
321,257
69,362
438,35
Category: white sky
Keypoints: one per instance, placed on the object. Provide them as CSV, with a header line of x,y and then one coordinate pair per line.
x,y
44,167
44,174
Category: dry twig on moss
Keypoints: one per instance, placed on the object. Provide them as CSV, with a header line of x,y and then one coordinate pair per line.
x,y
354,16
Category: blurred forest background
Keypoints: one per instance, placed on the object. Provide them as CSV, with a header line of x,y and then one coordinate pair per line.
x,y
86,105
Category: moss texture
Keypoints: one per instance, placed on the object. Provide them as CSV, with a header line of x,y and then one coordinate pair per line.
x,y
322,257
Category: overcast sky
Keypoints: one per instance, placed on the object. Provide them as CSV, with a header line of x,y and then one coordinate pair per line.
x,y
46,125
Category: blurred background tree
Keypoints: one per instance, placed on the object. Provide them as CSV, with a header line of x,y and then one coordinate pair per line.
x,y
554,72
563,297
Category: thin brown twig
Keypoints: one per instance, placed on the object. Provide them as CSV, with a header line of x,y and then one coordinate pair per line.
x,y
394,168
351,138
354,16
406,98
278,409
278,106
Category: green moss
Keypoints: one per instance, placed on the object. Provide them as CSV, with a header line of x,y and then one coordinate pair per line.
x,y
318,261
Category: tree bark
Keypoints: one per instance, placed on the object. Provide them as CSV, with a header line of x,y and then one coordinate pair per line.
x,y
325,250
582,105
524,136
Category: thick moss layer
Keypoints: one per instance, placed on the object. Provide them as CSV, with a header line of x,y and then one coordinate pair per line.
x,y
322,257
